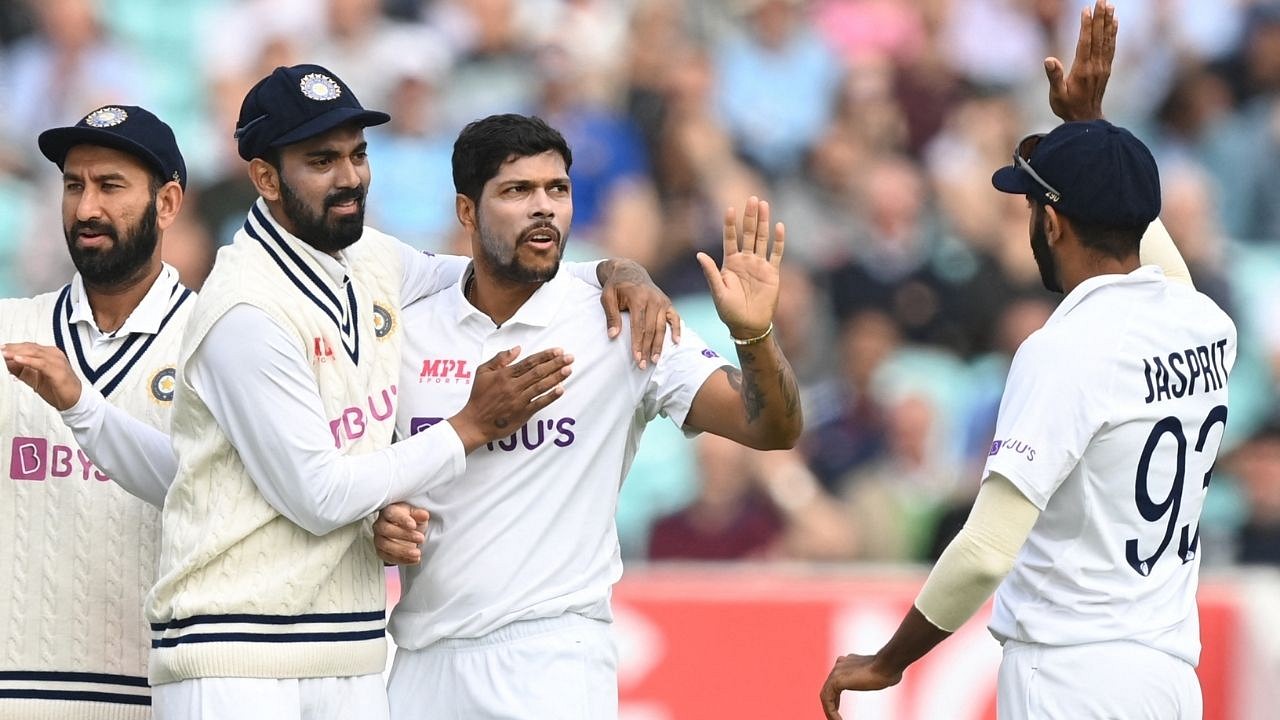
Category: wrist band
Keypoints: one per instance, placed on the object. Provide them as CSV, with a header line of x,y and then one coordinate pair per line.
x,y
754,340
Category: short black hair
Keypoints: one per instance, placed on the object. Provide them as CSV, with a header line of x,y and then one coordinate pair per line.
x,y
484,145
1113,241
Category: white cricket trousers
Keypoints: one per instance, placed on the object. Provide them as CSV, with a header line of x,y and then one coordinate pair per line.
x,y
1098,681
363,697
563,668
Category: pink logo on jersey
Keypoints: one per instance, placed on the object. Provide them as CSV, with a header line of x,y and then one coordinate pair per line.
x,y
27,460
35,459
353,422
444,371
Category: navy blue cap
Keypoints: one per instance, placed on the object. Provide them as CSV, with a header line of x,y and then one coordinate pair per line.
x,y
127,128
1102,173
295,103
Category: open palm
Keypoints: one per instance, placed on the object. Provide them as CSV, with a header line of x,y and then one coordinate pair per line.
x,y
745,287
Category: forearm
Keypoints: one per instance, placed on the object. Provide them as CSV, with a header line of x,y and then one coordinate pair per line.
x,y
138,457
1157,248
290,453
770,395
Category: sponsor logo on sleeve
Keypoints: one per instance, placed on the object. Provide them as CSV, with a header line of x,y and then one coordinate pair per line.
x,y
1014,446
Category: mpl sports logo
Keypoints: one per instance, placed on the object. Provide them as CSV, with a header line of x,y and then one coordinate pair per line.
x,y
36,459
444,371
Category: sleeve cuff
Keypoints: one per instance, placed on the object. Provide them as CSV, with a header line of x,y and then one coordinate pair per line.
x,y
86,410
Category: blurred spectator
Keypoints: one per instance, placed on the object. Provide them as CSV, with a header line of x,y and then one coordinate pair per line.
x,y
1256,463
776,82
615,204
894,500
752,504
494,70
848,430
412,194
68,65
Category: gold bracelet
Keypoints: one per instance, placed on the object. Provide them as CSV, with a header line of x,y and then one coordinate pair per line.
x,y
754,340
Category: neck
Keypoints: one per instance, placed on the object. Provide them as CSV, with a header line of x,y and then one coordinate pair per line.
x,y
1094,265
499,299
112,305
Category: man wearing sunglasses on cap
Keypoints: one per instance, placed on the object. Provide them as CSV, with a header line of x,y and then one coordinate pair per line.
x,y
1086,523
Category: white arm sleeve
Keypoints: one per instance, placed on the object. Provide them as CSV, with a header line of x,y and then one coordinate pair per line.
x,y
289,450
977,560
1157,248
135,455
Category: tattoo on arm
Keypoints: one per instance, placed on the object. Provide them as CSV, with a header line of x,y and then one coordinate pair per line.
x,y
735,379
747,386
790,392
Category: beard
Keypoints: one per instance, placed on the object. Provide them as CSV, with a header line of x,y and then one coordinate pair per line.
x,y
314,228
504,261
1044,256
125,260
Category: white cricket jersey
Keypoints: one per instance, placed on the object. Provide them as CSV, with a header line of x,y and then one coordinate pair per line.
x,y
78,551
1110,424
527,531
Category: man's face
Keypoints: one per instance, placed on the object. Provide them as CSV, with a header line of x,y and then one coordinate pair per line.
x,y
1040,249
108,215
323,184
523,218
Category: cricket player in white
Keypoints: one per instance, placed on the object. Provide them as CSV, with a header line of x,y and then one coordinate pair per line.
x,y
1087,518
508,615
79,546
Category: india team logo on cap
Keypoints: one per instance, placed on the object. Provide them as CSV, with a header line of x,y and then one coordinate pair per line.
x,y
319,86
106,117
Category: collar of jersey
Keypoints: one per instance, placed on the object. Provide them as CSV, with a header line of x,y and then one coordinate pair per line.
x,y
145,318
1144,274
320,277
166,295
538,311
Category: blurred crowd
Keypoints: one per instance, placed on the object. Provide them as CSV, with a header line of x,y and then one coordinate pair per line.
x,y
873,126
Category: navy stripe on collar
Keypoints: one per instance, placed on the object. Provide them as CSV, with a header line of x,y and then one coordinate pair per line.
x,y
345,317
129,352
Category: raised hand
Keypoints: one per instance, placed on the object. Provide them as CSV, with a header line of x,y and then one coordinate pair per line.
x,y
46,370
504,395
1078,95
745,287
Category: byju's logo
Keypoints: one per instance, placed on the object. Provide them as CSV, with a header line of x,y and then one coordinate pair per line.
x,y
352,423
37,459
444,371
1017,447
418,424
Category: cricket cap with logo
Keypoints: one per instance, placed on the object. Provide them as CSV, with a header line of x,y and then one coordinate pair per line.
x,y
1090,171
127,128
295,103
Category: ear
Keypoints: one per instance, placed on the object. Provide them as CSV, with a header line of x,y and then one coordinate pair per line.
x,y
465,208
1053,225
265,179
168,204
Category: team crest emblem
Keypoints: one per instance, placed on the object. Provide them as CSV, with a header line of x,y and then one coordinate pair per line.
x,y
383,321
162,384
319,86
106,117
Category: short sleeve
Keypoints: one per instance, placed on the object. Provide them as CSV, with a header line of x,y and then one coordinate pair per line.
x,y
1048,416
678,375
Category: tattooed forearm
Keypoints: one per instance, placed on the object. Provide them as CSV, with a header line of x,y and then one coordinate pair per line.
x,y
753,396
790,391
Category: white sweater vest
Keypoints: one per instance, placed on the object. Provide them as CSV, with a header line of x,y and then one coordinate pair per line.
x,y
243,591
77,553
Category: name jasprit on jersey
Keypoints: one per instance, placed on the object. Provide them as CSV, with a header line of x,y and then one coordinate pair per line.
x,y
1175,375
